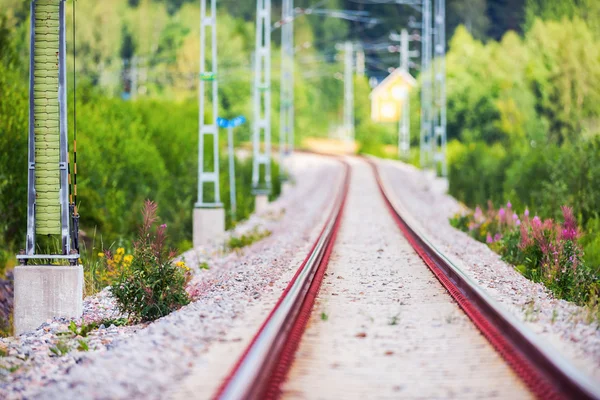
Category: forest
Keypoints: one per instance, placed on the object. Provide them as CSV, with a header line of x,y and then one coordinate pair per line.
x,y
523,93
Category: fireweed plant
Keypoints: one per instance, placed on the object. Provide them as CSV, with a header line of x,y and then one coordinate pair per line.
x,y
151,285
544,251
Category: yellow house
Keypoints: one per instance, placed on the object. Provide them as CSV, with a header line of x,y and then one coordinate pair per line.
x,y
388,97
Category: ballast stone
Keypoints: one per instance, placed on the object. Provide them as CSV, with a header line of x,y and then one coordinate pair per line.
x,y
43,292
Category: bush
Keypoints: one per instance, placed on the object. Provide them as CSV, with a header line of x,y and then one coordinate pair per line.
x,y
544,251
151,286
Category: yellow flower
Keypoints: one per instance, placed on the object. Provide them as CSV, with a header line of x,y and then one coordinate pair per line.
x,y
120,251
101,255
180,264
128,259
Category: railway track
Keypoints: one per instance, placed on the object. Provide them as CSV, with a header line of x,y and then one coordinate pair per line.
x,y
395,319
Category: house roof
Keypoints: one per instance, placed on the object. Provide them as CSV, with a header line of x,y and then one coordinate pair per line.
x,y
397,73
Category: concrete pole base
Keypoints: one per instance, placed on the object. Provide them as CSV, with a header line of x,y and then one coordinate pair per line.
x,y
260,203
286,187
43,292
441,185
209,226
430,174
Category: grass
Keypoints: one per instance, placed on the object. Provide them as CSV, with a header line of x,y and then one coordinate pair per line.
x,y
204,265
324,316
60,348
239,242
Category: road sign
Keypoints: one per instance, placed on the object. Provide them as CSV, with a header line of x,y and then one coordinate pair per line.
x,y
231,123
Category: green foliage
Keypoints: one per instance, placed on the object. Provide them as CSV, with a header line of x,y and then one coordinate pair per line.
x,y
523,113
477,172
591,244
13,145
204,265
153,286
82,345
82,330
556,10
246,239
61,348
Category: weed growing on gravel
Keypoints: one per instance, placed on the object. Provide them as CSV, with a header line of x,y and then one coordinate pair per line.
x,y
324,316
247,239
394,320
544,251
530,311
60,348
204,265
152,286
83,345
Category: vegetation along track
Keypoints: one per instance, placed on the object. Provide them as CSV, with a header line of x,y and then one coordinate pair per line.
x,y
262,370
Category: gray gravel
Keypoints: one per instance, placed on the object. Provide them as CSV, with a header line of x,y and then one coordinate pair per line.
x,y
564,325
146,361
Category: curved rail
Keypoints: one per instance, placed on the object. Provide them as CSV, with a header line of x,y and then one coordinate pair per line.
x,y
548,375
265,363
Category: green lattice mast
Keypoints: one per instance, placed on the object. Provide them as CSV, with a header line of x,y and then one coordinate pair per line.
x,y
48,186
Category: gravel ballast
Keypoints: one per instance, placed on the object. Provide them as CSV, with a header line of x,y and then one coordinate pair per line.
x,y
562,324
150,360
384,327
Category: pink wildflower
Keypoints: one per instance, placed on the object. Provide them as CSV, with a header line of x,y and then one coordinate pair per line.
x,y
489,239
501,214
478,213
526,213
569,227
525,238
508,205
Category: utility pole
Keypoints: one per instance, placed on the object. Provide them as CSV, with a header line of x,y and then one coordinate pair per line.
x,y
404,125
286,129
438,148
348,92
262,106
360,61
426,86
44,291
134,77
209,215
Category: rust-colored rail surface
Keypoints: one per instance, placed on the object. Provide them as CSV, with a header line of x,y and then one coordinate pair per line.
x,y
264,365
547,375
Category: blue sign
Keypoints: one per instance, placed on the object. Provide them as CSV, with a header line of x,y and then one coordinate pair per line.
x,y
230,123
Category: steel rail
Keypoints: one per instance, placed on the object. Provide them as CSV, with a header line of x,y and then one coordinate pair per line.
x,y
263,366
547,374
